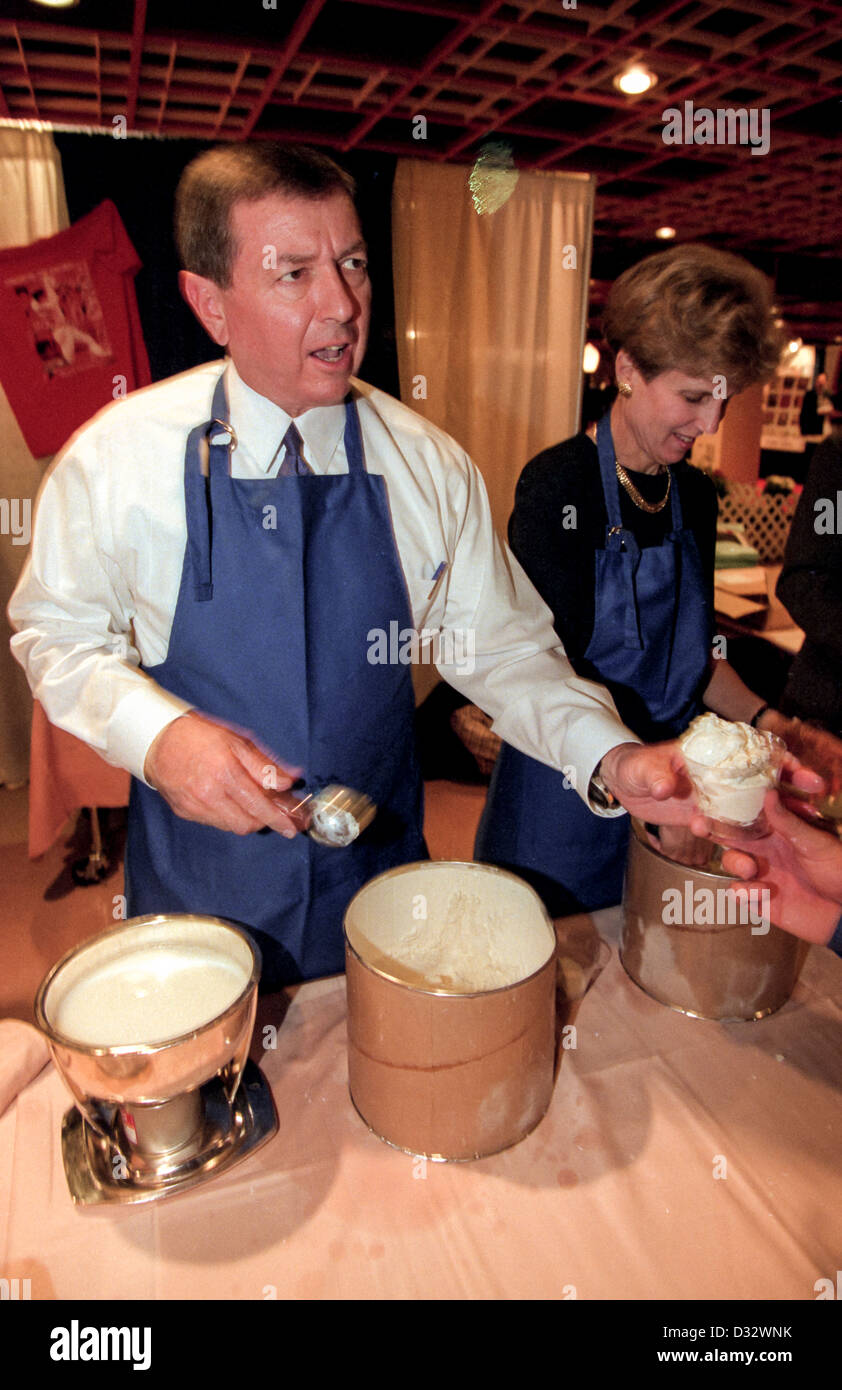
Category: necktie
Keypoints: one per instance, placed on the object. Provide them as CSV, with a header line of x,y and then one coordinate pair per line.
x,y
293,463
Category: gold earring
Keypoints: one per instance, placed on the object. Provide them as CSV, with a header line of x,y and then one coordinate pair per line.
x,y
624,388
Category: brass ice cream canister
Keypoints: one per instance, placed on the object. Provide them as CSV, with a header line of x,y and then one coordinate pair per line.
x,y
690,944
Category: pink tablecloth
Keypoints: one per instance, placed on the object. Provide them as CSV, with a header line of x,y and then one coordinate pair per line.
x,y
679,1159
65,774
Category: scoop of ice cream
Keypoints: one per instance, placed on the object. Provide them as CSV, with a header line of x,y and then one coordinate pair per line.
x,y
730,765
736,751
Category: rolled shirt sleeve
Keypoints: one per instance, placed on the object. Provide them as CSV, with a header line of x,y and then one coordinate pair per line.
x,y
495,643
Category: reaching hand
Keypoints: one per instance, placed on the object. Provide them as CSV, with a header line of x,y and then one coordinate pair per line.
x,y
800,867
210,774
816,748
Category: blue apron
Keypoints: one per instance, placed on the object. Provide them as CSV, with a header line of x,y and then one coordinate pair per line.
x,y
650,646
283,579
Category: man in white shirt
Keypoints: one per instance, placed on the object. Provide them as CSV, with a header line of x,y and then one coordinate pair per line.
x,y
207,583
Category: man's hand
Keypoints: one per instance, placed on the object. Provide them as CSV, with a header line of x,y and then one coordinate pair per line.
x,y
210,774
650,781
800,867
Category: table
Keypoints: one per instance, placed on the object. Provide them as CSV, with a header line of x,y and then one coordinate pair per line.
x,y
679,1159
745,598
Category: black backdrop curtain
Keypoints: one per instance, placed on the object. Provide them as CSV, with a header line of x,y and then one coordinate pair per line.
x,y
140,177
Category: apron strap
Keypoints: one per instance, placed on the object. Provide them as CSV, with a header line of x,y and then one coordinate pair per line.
x,y
208,447
617,539
677,518
353,438
608,473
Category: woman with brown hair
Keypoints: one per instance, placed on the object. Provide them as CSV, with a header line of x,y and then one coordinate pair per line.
x,y
617,532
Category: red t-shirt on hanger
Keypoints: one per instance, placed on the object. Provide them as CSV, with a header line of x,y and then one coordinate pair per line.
x,y
70,336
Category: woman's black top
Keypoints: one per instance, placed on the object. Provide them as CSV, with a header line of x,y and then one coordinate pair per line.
x,y
556,545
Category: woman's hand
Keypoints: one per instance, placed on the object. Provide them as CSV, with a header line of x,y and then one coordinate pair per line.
x,y
800,868
815,748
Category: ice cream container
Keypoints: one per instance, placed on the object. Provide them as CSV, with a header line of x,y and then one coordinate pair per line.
x,y
689,944
451,1008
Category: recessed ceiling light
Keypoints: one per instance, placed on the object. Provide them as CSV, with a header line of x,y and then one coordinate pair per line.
x,y
635,79
665,233
56,4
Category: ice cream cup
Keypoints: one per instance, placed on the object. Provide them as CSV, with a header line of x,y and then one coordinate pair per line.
x,y
735,804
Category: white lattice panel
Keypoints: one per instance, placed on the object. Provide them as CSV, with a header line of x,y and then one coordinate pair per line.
x,y
764,519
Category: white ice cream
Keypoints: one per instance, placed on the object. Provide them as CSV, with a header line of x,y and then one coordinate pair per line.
x,y
731,766
149,995
470,949
465,950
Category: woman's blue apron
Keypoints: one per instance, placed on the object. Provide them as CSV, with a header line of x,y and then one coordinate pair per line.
x,y
651,647
283,580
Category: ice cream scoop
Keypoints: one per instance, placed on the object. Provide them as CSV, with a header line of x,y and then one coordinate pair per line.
x,y
332,815
731,766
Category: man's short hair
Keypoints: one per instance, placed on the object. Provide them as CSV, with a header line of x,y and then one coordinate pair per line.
x,y
228,174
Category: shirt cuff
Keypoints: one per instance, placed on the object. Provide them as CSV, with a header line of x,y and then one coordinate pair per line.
x,y
835,942
607,812
587,735
137,722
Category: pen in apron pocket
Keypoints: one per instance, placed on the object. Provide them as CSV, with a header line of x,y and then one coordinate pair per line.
x,y
436,577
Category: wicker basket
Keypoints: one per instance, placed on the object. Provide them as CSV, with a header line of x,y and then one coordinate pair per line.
x,y
474,729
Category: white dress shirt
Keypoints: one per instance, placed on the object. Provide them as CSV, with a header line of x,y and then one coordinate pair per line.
x,y
98,593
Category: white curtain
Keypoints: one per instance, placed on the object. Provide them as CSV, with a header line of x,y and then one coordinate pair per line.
x,y
491,309
32,205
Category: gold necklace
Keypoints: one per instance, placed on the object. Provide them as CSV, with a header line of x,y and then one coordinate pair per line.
x,y
635,496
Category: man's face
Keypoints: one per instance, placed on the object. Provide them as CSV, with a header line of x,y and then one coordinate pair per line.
x,y
295,317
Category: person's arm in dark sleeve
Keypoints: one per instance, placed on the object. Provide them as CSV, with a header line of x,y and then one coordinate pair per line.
x,y
810,584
